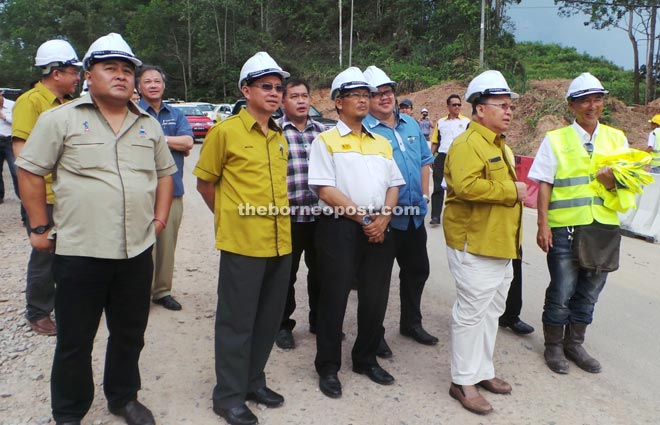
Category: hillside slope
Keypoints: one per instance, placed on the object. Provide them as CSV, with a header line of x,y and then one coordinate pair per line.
x,y
541,108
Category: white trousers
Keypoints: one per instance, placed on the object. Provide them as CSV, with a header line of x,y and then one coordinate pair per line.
x,y
482,284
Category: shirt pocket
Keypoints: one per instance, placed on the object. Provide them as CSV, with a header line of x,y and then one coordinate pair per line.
x,y
89,153
497,169
142,156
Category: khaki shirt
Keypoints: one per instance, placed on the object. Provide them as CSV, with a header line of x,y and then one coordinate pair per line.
x,y
249,172
104,184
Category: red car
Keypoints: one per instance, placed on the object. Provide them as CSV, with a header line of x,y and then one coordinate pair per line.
x,y
199,122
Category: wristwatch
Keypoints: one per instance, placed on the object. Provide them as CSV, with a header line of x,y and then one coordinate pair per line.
x,y
40,230
367,220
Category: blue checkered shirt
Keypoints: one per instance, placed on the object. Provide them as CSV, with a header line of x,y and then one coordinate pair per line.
x,y
296,179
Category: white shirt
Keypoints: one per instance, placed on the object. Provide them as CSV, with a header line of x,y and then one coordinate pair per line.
x,y
653,138
5,124
362,169
545,163
449,129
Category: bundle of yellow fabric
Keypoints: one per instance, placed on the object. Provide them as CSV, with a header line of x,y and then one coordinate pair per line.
x,y
627,164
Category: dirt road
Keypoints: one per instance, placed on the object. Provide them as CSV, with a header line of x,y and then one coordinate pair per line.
x,y
177,362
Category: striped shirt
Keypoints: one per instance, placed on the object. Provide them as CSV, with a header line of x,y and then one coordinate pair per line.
x,y
300,196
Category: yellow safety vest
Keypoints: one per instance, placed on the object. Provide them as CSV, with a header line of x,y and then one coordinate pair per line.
x,y
655,162
573,201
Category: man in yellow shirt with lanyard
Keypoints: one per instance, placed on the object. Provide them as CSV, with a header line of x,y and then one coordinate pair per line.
x,y
61,73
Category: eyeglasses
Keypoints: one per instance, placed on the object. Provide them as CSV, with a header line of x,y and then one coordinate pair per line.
x,y
356,95
380,94
505,106
77,73
268,87
455,104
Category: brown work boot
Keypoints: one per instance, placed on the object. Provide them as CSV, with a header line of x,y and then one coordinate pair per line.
x,y
554,353
573,340
470,398
44,326
496,385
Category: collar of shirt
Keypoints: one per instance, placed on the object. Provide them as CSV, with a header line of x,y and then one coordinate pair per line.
x,y
144,105
89,100
249,122
487,134
285,122
47,94
583,135
345,130
449,118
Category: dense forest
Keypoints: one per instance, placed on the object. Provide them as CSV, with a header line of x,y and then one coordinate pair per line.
x,y
203,43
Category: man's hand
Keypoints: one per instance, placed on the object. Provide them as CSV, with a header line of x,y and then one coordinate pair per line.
x,y
42,243
158,226
375,231
521,188
544,238
606,176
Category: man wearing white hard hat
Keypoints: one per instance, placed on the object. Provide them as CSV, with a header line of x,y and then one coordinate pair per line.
x,y
413,157
575,199
113,190
242,168
60,70
425,123
353,172
482,227
653,144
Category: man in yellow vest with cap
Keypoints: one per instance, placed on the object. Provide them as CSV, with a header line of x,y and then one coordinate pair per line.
x,y
654,144
569,200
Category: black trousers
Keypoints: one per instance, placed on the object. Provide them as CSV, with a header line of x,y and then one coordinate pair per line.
x,y
344,252
302,239
86,287
413,260
7,154
438,195
514,297
251,296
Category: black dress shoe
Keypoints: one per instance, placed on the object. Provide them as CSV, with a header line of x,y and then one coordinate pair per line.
x,y
329,385
518,327
383,350
168,302
68,423
418,333
284,339
238,415
375,373
134,413
265,396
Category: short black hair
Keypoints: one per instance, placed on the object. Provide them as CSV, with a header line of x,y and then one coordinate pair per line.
x,y
453,96
145,68
295,82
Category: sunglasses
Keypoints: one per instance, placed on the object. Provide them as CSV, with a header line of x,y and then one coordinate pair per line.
x,y
455,104
268,87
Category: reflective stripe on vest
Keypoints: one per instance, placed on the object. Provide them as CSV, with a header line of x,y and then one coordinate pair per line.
x,y
573,201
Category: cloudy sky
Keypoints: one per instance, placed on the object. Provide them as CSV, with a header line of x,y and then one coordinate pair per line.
x,y
537,20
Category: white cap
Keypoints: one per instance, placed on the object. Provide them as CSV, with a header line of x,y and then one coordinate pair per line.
x,y
376,77
488,83
108,47
259,65
349,79
56,53
583,85
424,110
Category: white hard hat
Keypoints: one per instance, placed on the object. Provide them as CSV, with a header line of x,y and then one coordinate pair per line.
x,y
57,53
583,85
108,47
489,82
425,110
348,79
376,77
259,65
